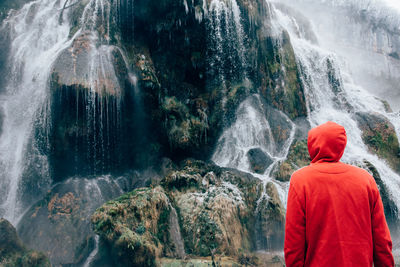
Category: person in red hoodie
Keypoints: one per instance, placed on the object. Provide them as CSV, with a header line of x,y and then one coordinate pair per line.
x,y
334,214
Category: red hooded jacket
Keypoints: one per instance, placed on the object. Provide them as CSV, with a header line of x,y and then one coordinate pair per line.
x,y
334,213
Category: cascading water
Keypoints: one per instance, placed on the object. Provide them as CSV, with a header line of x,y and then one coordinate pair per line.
x,y
175,233
37,38
331,94
226,42
368,37
33,107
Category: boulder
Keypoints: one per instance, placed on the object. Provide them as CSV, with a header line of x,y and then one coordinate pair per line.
x,y
14,253
215,210
59,224
259,160
379,135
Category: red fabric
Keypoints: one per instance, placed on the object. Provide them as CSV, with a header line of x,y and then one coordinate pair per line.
x,y
334,213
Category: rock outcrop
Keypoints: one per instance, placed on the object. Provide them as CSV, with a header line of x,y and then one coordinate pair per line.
x,y
380,137
216,209
297,158
59,224
14,253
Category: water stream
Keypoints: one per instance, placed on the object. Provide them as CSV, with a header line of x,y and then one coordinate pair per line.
x,y
37,39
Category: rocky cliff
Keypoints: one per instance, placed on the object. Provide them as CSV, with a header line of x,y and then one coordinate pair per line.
x,y
110,96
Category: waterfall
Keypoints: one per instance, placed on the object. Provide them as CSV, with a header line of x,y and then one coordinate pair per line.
x,y
42,54
226,42
36,39
93,254
367,37
332,94
175,233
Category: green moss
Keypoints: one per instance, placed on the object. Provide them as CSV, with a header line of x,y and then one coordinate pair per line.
x,y
206,236
163,226
297,158
282,87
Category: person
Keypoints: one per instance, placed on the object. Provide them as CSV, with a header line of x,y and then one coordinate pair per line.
x,y
334,214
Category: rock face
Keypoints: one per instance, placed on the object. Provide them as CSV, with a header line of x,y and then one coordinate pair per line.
x,y
391,210
297,158
270,220
14,253
215,209
380,137
259,161
59,225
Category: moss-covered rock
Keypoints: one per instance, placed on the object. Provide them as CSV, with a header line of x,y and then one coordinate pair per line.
x,y
297,158
14,253
380,137
270,226
59,224
135,226
184,130
215,208
391,210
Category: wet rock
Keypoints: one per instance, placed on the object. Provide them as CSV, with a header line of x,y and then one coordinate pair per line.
x,y
380,137
94,112
297,158
7,5
14,253
270,225
135,226
391,210
214,207
281,126
59,225
259,160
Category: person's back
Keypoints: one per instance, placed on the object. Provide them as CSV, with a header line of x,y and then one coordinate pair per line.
x,y
335,214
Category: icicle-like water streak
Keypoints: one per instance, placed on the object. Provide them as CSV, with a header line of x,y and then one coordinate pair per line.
x,y
227,47
36,39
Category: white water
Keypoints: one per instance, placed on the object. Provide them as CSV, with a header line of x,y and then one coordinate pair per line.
x,y
175,233
93,253
226,42
324,101
364,34
252,130
37,39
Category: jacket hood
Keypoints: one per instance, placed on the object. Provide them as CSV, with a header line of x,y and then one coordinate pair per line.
x,y
326,142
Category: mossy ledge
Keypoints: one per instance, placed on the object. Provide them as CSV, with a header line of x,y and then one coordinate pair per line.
x,y
216,210
14,253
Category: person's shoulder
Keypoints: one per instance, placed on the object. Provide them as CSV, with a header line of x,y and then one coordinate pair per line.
x,y
300,174
358,169
360,172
